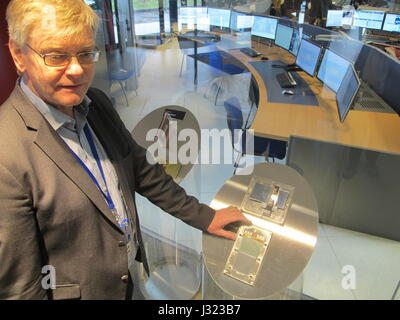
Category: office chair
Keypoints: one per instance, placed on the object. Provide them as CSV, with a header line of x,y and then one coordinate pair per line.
x,y
122,75
216,60
262,146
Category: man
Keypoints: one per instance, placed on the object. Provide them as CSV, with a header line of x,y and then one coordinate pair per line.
x,y
69,168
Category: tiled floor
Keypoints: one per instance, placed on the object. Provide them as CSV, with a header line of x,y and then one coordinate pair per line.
x,y
345,264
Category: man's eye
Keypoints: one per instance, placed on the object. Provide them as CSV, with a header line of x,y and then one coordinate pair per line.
x,y
57,57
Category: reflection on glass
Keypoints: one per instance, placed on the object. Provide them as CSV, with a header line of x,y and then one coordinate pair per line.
x,y
219,17
368,19
264,27
392,23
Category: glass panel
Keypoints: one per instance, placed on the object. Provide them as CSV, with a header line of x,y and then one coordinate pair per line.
x,y
349,156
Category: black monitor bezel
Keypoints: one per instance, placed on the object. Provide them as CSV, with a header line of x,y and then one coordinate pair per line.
x,y
321,48
339,55
276,31
352,99
268,17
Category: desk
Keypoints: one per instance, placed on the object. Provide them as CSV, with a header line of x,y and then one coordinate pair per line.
x,y
368,130
350,189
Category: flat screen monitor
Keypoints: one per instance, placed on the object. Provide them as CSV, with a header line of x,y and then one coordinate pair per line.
x,y
295,42
308,56
334,18
264,27
332,70
283,36
245,22
369,19
240,21
192,11
392,22
219,17
203,23
347,92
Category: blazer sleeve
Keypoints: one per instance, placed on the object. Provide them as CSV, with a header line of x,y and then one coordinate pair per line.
x,y
152,182
20,259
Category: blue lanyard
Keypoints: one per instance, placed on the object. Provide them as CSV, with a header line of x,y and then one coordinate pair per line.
x,y
106,194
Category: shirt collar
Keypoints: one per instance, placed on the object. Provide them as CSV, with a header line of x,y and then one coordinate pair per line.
x,y
55,117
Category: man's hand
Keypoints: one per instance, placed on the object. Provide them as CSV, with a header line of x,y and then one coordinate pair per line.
x,y
224,217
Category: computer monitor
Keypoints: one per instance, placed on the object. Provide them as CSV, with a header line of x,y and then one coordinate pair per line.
x,y
192,11
295,42
283,36
219,17
203,23
369,19
308,56
347,92
392,22
191,17
332,70
241,22
264,27
334,18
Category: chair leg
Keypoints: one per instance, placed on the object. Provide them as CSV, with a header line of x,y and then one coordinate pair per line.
x,y
248,116
237,161
216,96
123,90
183,58
266,154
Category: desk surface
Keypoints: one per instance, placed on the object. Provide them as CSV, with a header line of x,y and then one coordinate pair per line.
x,y
369,130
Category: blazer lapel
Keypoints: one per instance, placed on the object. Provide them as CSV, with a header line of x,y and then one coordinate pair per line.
x,y
55,148
103,135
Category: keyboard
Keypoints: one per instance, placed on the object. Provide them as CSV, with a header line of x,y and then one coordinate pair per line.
x,y
286,80
250,52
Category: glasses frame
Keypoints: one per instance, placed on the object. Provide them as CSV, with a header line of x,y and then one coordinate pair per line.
x,y
70,56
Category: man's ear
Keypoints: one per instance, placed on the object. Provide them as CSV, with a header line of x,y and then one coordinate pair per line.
x,y
17,55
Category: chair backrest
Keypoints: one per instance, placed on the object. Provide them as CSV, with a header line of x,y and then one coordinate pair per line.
x,y
216,60
234,116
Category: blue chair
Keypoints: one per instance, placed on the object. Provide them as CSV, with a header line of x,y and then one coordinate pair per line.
x,y
262,146
122,75
216,60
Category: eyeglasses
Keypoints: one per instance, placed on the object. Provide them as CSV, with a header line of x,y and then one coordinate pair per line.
x,y
64,59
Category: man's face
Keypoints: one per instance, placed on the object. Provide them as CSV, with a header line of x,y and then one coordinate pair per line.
x,y
62,87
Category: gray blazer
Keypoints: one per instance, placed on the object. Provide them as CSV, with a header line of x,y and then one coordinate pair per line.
x,y
51,213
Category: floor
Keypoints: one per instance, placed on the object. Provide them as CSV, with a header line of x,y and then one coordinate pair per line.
x,y
345,264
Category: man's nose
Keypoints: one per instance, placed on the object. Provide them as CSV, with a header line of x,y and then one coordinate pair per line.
x,y
74,68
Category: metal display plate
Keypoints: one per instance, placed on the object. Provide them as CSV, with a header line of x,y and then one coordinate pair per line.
x,y
268,199
247,254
